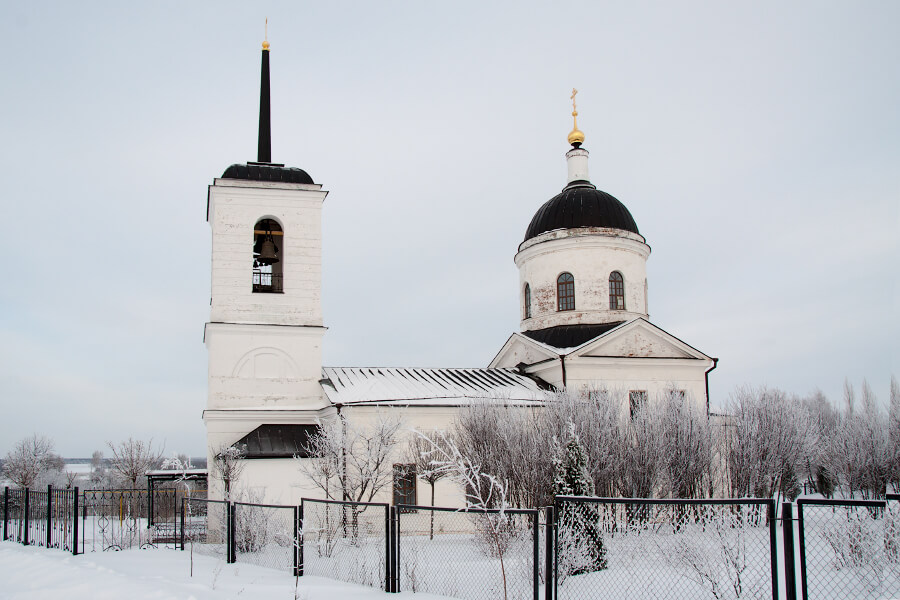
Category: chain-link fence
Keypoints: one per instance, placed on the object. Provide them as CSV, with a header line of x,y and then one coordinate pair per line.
x,y
346,541
266,535
204,527
660,549
469,554
849,549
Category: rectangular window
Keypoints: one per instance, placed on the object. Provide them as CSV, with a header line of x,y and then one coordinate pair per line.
x,y
636,401
404,484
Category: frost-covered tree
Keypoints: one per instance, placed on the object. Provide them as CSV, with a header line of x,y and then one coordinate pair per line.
x,y
30,461
419,453
352,461
484,491
766,438
131,459
687,445
581,542
227,466
894,434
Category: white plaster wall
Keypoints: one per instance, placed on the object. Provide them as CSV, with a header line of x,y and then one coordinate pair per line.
x,y
590,255
235,206
264,366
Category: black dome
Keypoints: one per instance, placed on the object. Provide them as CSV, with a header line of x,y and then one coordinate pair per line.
x,y
267,172
581,205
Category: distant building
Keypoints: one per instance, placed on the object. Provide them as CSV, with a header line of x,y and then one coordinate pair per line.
x,y
584,322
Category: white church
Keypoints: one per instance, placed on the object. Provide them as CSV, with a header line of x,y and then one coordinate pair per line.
x,y
584,322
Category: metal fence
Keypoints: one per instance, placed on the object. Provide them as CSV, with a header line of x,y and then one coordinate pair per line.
x,y
205,527
267,535
349,541
849,548
45,518
469,554
642,548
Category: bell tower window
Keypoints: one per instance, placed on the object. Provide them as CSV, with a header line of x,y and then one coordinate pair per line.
x,y
565,292
268,240
616,291
527,301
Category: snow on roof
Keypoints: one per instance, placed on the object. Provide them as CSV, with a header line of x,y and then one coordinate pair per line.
x,y
447,387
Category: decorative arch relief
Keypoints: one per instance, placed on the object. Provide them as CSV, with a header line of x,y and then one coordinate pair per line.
x,y
265,363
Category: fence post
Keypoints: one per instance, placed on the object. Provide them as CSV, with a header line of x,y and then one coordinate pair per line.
x,y
390,514
232,546
802,548
298,539
25,520
49,515
536,561
787,534
773,545
549,558
75,523
5,513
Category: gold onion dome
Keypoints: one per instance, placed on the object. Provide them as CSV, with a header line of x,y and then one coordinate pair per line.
x,y
576,136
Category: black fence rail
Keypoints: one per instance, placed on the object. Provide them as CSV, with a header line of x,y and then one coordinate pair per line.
x,y
267,535
660,549
45,518
469,554
348,541
849,548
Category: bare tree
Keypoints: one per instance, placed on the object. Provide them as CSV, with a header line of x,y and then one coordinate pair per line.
x,y
420,449
132,459
483,491
351,460
894,433
29,460
227,465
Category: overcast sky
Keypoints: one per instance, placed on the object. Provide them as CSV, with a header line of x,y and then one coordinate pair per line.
x,y
756,144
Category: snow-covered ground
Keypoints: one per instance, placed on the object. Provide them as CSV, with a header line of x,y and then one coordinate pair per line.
x,y
159,574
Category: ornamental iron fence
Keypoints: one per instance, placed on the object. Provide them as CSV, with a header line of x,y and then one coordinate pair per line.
x,y
45,518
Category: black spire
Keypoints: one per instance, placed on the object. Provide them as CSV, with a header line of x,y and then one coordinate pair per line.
x,y
264,155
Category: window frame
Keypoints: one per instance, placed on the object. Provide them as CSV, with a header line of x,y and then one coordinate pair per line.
x,y
565,292
616,291
527,298
405,484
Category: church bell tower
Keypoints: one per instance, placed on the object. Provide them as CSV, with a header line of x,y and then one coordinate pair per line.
x,y
264,334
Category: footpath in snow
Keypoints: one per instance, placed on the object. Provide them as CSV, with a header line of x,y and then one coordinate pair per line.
x,y
32,573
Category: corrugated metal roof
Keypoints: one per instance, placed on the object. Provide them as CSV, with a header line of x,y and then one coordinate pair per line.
x,y
355,385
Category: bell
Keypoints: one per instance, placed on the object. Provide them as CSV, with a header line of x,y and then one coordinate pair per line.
x,y
267,253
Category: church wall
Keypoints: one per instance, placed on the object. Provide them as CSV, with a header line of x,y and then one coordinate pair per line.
x,y
590,258
235,207
264,366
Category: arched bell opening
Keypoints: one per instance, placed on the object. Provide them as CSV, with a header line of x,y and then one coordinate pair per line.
x,y
268,242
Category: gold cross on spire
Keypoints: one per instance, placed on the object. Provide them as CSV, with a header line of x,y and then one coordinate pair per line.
x,y
266,38
576,137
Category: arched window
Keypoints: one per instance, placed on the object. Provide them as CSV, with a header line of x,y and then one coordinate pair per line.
x,y
268,239
527,301
616,291
565,292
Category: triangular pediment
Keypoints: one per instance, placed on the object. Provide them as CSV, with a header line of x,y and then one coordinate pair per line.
x,y
520,349
638,339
